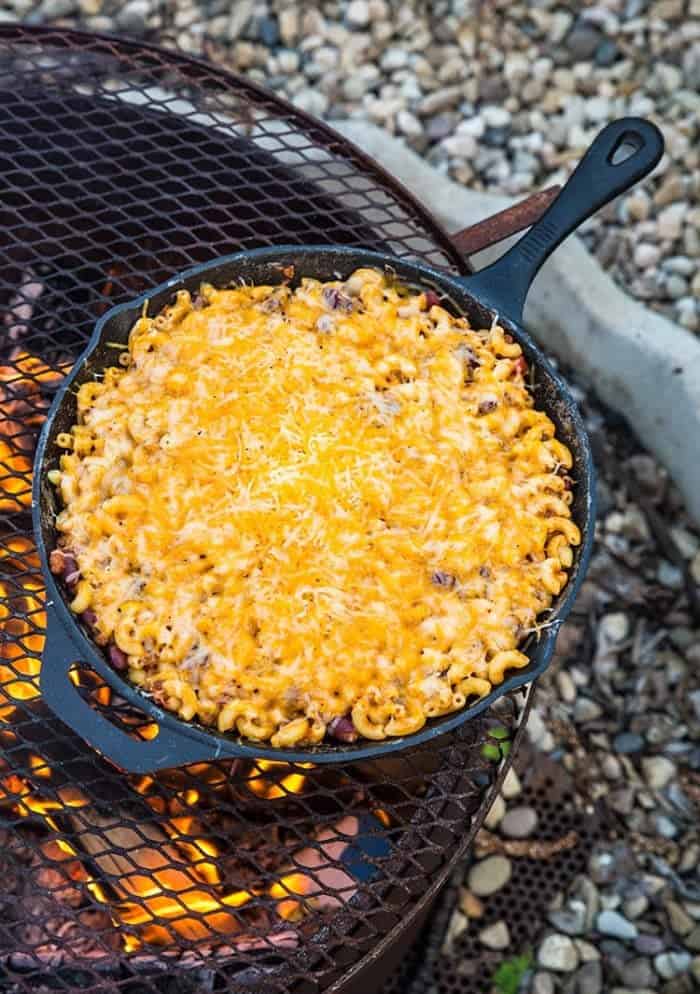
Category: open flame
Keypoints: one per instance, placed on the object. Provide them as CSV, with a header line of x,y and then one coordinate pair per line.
x,y
159,879
22,412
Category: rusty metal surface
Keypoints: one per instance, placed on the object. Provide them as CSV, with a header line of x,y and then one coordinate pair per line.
x,y
122,164
497,227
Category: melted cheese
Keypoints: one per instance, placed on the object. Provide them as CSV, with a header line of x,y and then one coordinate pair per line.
x,y
295,505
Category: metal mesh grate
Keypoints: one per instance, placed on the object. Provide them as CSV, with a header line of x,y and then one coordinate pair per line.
x,y
437,965
123,164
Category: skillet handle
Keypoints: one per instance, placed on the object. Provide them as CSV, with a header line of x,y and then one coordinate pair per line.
x,y
596,180
169,748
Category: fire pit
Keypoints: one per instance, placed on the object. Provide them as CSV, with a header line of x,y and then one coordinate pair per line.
x,y
122,164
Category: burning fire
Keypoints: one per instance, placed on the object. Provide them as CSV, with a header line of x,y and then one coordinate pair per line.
x,y
22,412
161,878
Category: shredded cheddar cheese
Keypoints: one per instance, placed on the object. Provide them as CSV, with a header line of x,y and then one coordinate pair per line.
x,y
295,506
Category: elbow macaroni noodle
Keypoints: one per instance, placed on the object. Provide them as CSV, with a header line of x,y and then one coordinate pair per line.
x,y
289,506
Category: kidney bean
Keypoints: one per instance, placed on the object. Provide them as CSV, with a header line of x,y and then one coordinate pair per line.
x,y
336,300
520,366
89,619
343,729
442,579
117,658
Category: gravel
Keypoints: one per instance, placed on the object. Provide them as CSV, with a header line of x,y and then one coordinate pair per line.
x,y
495,936
558,952
519,823
669,965
614,924
541,79
489,875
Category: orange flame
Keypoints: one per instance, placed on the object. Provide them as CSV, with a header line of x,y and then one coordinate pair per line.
x,y
22,412
266,779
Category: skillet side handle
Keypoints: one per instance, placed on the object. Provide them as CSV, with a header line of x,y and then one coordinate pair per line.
x,y
596,180
168,749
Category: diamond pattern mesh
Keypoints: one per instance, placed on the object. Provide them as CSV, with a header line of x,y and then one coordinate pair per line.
x,y
121,165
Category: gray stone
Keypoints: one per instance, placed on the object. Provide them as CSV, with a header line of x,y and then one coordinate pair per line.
x,y
673,964
519,823
627,743
440,100
669,223
638,972
695,968
664,826
684,267
558,952
658,771
489,875
408,124
542,983
268,31
589,978
51,10
679,919
621,800
583,41
649,945
588,893
616,925
440,126
495,936
133,16
610,767
607,53
571,919
635,906
585,710
676,286
586,950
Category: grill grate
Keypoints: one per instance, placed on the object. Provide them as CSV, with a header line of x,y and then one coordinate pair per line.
x,y
436,965
122,164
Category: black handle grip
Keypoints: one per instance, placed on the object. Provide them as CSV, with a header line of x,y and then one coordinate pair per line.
x,y
169,748
602,174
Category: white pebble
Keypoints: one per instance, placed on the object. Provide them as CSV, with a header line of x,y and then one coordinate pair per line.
x,y
511,785
495,117
358,13
669,223
646,255
489,875
658,771
495,936
559,953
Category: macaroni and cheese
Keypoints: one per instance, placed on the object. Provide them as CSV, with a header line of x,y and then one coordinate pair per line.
x,y
325,510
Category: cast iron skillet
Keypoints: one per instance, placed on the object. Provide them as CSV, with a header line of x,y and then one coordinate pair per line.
x,y
603,173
